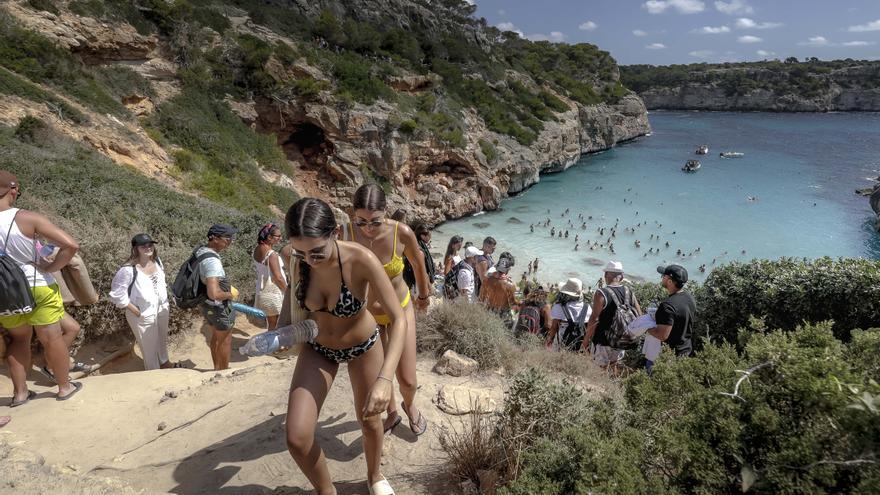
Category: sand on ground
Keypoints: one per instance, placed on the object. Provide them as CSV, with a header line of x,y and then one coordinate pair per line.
x,y
194,430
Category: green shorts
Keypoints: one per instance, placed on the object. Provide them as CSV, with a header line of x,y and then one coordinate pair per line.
x,y
50,309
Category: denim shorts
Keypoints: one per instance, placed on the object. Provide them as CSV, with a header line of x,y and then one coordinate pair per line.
x,y
221,317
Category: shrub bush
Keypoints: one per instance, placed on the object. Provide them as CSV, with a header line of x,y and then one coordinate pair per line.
x,y
467,329
786,292
29,129
102,205
798,424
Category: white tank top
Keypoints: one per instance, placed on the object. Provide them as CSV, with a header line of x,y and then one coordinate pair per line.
x,y
21,249
263,273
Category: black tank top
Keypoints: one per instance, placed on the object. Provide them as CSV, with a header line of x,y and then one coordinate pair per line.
x,y
608,311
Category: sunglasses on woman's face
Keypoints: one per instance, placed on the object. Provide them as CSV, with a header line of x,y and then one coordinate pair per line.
x,y
371,223
316,254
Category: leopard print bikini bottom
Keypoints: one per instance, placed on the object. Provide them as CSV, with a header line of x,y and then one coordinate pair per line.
x,y
345,355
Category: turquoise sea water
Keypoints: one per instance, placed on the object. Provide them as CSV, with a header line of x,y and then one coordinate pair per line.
x,y
801,170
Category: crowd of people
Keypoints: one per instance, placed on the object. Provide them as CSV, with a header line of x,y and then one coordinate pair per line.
x,y
360,281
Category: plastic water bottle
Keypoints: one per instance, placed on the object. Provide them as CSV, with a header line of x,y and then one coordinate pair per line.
x,y
287,336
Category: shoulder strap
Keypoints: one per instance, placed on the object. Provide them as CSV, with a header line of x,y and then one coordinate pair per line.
x,y
205,256
614,296
134,274
394,245
567,313
583,315
9,231
266,258
351,229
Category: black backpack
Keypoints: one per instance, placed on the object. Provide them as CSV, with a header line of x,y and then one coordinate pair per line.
x,y
573,337
624,314
16,297
188,289
450,281
528,321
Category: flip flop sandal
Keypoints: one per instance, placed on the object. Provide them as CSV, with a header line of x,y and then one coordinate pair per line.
x,y
48,374
394,424
81,367
381,487
420,426
31,394
77,386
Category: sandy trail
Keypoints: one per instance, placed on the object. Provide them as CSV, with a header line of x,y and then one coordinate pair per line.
x,y
222,432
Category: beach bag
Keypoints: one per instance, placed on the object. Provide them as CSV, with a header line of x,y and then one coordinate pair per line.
x,y
76,278
573,337
617,335
528,321
188,290
450,282
16,297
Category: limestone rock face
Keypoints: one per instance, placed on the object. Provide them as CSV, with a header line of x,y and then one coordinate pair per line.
x,y
709,97
454,364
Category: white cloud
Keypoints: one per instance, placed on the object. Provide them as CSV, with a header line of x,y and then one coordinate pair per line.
x,y
588,26
655,46
502,12
554,36
765,53
701,53
749,39
734,7
858,43
509,26
815,41
746,23
639,32
682,6
871,26
712,30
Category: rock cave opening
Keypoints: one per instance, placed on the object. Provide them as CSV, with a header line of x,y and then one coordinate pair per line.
x,y
451,168
308,143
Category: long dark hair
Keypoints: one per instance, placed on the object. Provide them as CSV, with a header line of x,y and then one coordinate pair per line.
x,y
369,197
313,218
450,250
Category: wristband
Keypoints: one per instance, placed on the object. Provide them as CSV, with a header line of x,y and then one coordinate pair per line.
x,y
384,378
420,298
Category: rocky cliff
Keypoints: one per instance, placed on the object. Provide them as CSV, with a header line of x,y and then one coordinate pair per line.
x,y
711,97
333,144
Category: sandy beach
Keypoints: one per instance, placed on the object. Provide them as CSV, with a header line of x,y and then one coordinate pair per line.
x,y
192,431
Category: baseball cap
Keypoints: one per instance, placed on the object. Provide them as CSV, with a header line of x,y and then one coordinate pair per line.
x,y
222,230
614,267
472,251
8,180
676,272
142,240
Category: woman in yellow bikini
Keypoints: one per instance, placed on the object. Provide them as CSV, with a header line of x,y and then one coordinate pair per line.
x,y
387,237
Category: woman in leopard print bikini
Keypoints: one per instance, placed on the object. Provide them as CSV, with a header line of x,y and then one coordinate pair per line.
x,y
332,279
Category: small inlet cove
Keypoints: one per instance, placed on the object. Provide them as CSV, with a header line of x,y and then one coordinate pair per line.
x,y
790,193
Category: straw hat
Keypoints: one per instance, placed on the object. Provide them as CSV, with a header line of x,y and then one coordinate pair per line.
x,y
572,287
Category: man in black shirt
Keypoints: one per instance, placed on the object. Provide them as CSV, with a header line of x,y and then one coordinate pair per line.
x,y
675,315
602,316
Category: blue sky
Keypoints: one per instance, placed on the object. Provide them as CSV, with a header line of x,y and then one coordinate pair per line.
x,y
685,31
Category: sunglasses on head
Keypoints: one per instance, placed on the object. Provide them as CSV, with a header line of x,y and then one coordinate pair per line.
x,y
372,223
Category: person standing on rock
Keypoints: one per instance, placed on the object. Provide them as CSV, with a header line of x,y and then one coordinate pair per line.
x,y
388,239
139,288
217,307
19,230
330,283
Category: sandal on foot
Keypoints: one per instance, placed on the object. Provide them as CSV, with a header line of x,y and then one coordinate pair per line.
x,y
421,424
77,367
30,395
396,422
4,420
77,386
48,374
381,487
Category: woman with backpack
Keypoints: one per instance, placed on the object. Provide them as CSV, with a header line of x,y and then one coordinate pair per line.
x,y
139,288
452,258
534,314
568,315
271,283
330,283
391,240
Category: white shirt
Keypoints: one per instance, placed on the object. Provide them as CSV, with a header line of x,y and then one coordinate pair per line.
x,y
149,293
21,249
574,308
466,281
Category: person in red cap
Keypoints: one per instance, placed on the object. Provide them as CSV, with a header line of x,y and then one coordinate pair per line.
x,y
18,239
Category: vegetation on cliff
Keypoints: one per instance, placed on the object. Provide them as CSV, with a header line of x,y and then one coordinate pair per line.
x,y
807,79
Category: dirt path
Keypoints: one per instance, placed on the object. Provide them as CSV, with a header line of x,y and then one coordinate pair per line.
x,y
186,431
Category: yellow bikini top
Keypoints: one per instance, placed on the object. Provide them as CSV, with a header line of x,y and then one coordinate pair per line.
x,y
394,267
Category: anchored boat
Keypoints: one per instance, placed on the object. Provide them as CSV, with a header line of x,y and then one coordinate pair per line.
x,y
691,166
703,150
731,154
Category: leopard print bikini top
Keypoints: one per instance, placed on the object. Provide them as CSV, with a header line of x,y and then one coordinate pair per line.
x,y
348,305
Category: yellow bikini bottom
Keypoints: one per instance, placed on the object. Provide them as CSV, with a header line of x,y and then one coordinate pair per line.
x,y
384,320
